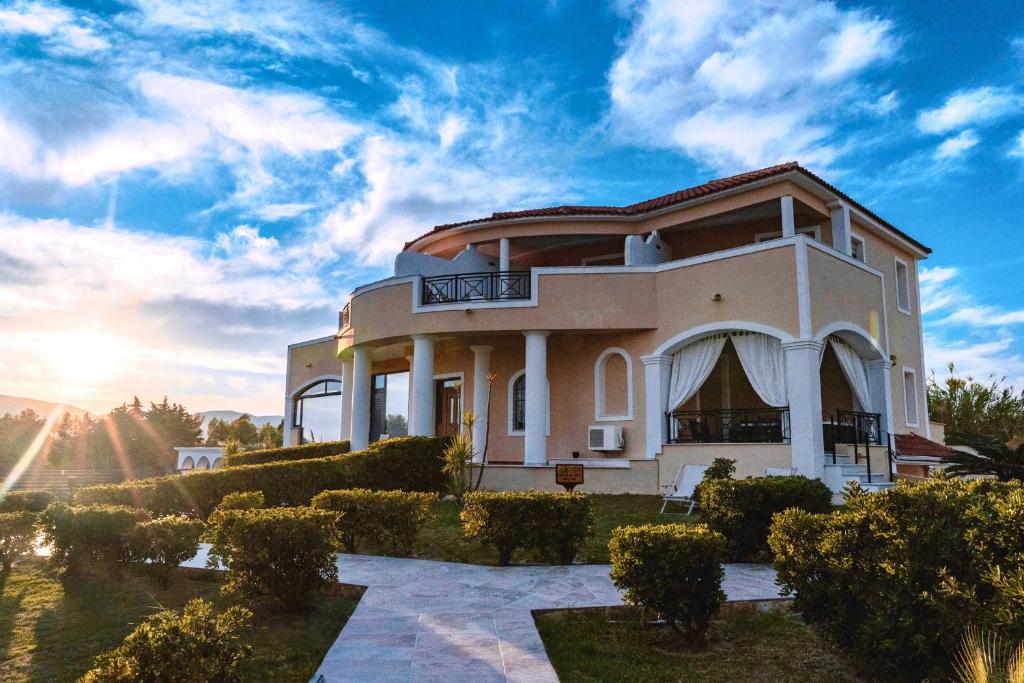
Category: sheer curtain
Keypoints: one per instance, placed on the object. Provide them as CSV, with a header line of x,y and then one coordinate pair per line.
x,y
856,374
764,362
691,366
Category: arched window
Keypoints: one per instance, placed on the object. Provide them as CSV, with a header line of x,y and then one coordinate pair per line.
x,y
613,386
202,463
517,405
187,463
317,411
218,462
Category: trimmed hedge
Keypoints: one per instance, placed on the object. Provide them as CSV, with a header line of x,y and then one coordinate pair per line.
x,y
29,501
84,535
17,536
554,525
285,554
898,576
306,451
411,463
675,570
393,518
742,509
242,500
164,543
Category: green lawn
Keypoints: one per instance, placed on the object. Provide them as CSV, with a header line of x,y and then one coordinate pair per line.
x,y
442,539
591,645
50,630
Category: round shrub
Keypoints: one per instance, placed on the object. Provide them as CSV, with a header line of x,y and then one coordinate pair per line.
x,y
391,517
284,554
675,570
306,451
742,509
91,534
195,645
31,501
165,543
551,524
242,500
17,537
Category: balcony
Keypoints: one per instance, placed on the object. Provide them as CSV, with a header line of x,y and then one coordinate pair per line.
x,y
476,287
761,425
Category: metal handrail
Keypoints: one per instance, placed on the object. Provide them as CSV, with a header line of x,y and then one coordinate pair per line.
x,y
756,425
345,316
473,287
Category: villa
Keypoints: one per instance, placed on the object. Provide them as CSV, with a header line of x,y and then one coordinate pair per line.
x,y
766,317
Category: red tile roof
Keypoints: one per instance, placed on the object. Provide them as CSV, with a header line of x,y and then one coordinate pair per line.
x,y
913,445
670,199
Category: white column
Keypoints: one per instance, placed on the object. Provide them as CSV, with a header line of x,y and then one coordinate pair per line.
x,y
788,222
408,398
289,417
422,423
504,255
803,383
657,374
841,228
535,443
346,398
481,368
880,385
359,434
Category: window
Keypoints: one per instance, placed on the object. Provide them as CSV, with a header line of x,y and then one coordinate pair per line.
x,y
389,405
812,231
519,404
902,286
910,395
317,412
613,386
857,248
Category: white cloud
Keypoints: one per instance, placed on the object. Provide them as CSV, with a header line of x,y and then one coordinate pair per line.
x,y
995,358
956,146
939,288
63,30
450,130
744,84
276,212
969,108
1018,147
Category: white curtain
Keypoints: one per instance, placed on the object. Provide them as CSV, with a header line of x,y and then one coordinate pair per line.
x,y
691,366
856,374
764,362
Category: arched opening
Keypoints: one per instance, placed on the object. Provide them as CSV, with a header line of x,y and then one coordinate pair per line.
x,y
317,411
188,463
203,463
217,463
854,387
613,386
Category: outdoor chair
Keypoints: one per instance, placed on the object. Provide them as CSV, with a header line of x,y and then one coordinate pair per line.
x,y
685,485
780,471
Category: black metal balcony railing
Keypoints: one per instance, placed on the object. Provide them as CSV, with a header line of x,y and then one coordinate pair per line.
x,y
471,287
345,317
762,425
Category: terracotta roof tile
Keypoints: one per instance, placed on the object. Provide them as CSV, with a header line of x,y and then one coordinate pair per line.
x,y
914,445
663,201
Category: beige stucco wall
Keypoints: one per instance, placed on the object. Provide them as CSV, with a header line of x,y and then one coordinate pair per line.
x,y
751,458
842,292
641,477
307,362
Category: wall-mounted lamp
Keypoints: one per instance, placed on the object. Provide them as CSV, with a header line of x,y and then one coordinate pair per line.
x,y
892,359
717,297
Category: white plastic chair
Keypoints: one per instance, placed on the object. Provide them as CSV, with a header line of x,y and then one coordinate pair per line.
x,y
780,471
685,485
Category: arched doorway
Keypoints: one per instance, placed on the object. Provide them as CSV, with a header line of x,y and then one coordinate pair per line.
x,y
855,389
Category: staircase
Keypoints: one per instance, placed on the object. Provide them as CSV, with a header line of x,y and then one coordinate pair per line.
x,y
845,469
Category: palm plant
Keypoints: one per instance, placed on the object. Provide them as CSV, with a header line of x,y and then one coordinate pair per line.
x,y
984,658
458,459
993,458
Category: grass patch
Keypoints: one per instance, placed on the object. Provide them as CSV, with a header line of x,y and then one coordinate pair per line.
x,y
51,629
585,645
442,538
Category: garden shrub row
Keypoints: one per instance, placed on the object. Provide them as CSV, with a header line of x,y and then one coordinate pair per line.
x,y
391,518
306,451
408,463
741,509
552,525
17,537
29,501
898,576
674,570
164,543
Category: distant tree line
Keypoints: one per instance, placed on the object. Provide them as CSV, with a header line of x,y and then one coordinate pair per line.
x,y
242,434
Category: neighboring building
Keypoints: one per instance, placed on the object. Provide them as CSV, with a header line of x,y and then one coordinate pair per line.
x,y
199,458
761,317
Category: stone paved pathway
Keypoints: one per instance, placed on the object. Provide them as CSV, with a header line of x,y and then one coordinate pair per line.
x,y
421,620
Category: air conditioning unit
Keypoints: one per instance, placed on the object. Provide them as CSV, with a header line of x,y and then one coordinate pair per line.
x,y
604,438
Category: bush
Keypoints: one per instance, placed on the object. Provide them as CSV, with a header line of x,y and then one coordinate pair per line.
x,y
242,500
675,570
898,576
551,524
17,536
91,534
742,509
409,463
394,517
285,554
165,543
30,501
306,451
170,647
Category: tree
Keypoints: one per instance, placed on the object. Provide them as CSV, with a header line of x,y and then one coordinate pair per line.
x,y
244,431
994,458
271,436
396,425
217,432
17,432
141,442
967,406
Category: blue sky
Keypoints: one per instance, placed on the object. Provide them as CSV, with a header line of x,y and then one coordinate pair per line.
x,y
187,187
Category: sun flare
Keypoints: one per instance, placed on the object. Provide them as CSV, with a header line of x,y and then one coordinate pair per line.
x,y
88,358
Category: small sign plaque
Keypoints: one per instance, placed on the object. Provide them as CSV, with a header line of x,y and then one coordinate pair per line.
x,y
569,476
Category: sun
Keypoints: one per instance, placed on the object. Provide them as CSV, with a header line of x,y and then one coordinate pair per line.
x,y
87,358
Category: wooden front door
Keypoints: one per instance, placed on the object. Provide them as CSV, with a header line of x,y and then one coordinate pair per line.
x,y
449,407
